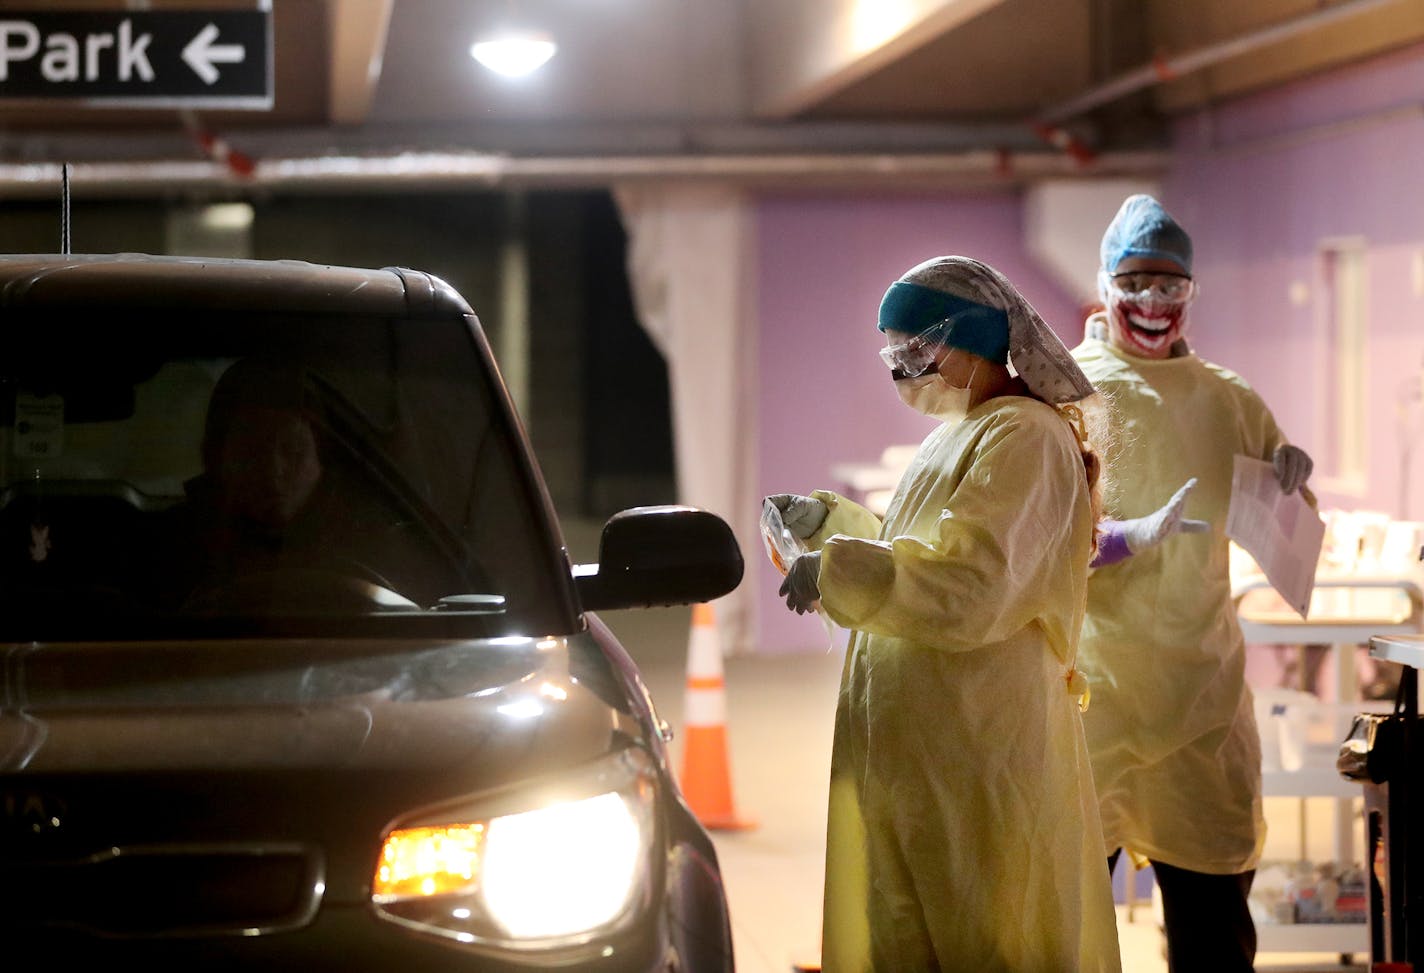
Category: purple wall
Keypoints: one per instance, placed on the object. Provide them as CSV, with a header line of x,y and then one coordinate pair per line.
x,y
1260,183
825,397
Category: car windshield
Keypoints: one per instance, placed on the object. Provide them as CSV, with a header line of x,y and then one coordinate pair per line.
x,y
305,473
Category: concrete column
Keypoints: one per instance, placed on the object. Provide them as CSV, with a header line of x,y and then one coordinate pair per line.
x,y
512,350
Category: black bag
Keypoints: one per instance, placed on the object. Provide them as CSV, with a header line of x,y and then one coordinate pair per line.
x,y
1372,749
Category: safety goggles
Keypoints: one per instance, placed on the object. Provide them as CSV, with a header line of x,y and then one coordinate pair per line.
x,y
913,358
1140,285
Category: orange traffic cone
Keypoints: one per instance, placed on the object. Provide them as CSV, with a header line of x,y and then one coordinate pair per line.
x,y
706,774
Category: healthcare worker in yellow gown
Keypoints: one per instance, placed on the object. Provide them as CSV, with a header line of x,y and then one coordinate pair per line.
x,y
1176,755
963,827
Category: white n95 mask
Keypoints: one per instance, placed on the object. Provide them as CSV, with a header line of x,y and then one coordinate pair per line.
x,y
933,396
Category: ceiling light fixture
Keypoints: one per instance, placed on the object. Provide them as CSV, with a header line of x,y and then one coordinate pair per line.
x,y
514,54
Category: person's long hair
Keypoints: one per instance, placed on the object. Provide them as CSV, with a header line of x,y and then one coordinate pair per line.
x,y
1088,418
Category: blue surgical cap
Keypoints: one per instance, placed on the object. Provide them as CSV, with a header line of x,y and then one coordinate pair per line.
x,y
1142,228
958,322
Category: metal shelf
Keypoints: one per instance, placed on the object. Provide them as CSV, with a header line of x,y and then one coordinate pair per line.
x,y
1332,620
1308,782
1313,937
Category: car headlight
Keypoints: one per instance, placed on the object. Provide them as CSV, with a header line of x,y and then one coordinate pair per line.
x,y
542,866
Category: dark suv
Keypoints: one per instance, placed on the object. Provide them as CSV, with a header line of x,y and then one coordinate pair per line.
x,y
296,669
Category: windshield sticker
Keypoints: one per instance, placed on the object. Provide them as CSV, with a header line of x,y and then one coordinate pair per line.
x,y
39,426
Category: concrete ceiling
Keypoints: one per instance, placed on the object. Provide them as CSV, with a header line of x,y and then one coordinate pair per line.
x,y
818,91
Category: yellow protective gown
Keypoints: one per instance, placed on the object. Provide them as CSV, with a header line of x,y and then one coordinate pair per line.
x,y
1176,754
963,829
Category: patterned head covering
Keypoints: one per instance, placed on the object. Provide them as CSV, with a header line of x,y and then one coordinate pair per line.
x,y
1036,352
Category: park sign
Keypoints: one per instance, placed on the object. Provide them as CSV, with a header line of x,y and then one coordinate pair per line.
x,y
138,58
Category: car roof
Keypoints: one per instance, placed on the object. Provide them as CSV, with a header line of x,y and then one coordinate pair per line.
x,y
137,280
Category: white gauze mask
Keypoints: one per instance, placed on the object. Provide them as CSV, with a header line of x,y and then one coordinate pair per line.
x,y
933,396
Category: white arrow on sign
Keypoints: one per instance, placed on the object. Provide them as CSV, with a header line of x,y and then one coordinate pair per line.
x,y
201,53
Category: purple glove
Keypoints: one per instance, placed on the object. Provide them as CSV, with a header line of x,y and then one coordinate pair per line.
x,y
1120,539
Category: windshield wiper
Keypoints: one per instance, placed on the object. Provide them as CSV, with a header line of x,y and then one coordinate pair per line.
x,y
478,604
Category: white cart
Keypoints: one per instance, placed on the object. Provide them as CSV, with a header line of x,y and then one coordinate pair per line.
x,y
1345,613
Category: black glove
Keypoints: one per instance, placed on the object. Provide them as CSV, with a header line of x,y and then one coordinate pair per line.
x,y
801,586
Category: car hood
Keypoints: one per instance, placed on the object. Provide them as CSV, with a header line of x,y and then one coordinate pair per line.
x,y
309,747
477,707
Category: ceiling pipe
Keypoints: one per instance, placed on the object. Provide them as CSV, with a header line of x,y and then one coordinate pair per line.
x,y
1168,69
428,170
535,140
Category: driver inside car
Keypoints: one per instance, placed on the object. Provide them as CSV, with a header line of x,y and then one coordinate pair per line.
x,y
267,465
266,525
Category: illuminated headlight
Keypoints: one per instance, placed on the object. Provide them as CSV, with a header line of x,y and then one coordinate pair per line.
x,y
551,865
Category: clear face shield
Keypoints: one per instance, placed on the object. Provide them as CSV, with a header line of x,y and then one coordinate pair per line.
x,y
916,365
913,358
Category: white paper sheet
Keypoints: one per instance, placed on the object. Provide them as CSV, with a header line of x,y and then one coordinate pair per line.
x,y
1282,532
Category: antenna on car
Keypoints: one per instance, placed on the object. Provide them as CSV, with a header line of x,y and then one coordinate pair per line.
x,y
64,209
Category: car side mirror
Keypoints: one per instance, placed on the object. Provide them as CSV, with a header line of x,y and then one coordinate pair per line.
x,y
663,555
